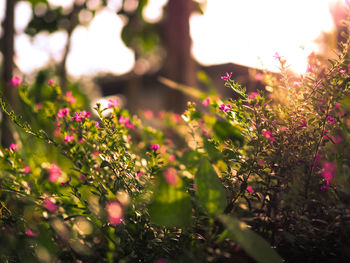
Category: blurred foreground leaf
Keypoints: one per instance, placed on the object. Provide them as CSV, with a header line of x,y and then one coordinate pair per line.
x,y
171,205
252,243
210,192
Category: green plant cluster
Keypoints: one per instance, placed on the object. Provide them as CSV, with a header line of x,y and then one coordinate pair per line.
x,y
257,178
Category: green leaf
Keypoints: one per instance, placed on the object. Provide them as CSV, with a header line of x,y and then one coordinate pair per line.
x,y
171,205
224,130
253,244
210,191
210,147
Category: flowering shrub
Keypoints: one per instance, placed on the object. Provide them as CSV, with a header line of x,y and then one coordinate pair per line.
x,y
225,181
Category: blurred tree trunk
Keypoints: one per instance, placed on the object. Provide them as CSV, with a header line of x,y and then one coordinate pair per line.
x,y
179,65
73,22
9,93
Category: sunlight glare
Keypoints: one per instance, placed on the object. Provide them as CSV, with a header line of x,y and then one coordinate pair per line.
x,y
99,47
242,31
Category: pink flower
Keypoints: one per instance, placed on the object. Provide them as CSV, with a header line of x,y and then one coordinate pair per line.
x,y
338,105
49,205
139,174
69,98
268,136
225,108
155,147
38,106
113,103
205,133
68,138
123,120
303,124
342,71
15,81
30,233
170,175
227,76
161,115
54,172
97,124
206,102
253,95
261,162
176,117
348,64
309,69
62,112
277,56
330,119
172,158
79,116
329,169
249,189
50,82
115,212
259,77
13,147
27,170
338,139
148,114
130,125
85,114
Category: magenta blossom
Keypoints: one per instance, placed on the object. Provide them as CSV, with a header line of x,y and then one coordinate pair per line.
x,y
309,69
330,119
62,112
171,176
115,212
155,147
303,124
15,81
253,95
206,102
69,98
13,147
250,189
113,103
49,205
227,76
50,82
26,170
123,120
225,108
267,135
259,77
54,172
277,56
79,116
68,138
329,169
30,233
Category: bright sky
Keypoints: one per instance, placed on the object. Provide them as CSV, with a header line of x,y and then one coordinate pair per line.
x,y
229,31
